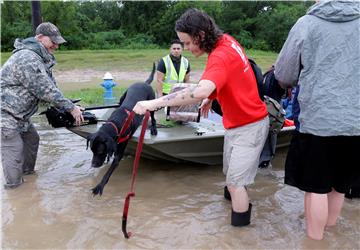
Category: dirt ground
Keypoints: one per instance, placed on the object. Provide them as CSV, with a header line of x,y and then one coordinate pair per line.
x,y
77,79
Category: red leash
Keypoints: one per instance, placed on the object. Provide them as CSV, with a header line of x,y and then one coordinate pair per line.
x,y
135,168
127,123
120,136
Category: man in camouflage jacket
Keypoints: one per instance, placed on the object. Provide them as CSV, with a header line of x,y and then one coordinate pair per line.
x,y
26,79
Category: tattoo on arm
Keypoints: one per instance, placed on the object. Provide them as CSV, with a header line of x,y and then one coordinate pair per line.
x,y
183,94
170,96
192,89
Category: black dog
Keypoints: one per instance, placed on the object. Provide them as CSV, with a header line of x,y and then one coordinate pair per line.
x,y
104,144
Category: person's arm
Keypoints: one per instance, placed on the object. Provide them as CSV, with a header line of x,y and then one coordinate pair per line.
x,y
159,83
43,87
186,96
288,63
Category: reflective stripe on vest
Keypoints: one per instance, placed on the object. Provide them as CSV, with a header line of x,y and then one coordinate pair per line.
x,y
171,75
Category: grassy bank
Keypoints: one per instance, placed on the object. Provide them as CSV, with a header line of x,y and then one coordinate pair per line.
x,y
120,60
93,96
133,60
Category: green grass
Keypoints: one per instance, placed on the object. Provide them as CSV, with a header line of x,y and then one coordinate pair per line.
x,y
107,60
93,96
123,60
134,60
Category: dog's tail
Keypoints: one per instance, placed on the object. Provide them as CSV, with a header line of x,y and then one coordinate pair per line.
x,y
151,77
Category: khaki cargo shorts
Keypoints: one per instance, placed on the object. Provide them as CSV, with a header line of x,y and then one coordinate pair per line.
x,y
242,149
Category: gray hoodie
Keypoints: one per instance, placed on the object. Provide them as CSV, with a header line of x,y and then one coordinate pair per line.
x,y
322,55
26,78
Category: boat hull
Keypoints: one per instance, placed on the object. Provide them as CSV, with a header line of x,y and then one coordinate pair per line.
x,y
188,142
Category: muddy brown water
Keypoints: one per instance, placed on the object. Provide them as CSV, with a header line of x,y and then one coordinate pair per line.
x,y
177,206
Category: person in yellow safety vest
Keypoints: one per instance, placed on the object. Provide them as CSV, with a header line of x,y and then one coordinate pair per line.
x,y
173,68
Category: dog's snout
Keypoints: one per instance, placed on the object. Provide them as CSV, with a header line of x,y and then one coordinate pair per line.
x,y
97,161
95,165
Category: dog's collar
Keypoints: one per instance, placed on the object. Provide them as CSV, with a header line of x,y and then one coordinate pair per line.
x,y
115,127
113,124
120,137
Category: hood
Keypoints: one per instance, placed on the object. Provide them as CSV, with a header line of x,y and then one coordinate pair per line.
x,y
33,45
336,10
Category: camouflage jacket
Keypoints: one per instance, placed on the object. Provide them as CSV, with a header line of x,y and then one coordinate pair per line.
x,y
26,79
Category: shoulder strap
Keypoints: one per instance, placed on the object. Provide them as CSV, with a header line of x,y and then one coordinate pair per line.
x,y
259,77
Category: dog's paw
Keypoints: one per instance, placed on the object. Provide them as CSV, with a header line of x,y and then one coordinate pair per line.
x,y
153,130
98,190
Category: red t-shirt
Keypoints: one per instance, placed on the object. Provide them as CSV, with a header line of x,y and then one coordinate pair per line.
x,y
236,89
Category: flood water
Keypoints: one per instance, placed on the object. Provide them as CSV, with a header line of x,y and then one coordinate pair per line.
x,y
177,206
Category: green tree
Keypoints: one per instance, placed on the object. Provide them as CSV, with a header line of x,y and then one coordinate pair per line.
x,y
240,20
275,22
140,17
99,16
165,27
133,24
15,22
62,14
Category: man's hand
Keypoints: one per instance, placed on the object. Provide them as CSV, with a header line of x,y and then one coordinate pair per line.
x,y
205,107
77,114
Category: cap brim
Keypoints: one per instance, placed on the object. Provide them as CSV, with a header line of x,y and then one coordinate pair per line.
x,y
58,39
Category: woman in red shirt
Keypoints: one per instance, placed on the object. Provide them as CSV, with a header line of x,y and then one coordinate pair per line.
x,y
228,77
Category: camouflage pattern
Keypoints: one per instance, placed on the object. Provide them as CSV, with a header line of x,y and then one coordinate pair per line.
x,y
50,30
26,79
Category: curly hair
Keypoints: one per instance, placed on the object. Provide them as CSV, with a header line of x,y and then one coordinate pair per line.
x,y
192,22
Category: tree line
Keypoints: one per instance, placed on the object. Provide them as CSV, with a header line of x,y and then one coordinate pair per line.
x,y
260,25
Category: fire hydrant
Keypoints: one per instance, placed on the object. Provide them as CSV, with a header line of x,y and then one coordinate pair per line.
x,y
108,84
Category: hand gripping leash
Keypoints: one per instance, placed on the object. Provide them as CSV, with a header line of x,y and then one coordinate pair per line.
x,y
135,168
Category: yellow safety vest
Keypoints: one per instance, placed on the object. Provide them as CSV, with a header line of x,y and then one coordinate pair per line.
x,y
171,75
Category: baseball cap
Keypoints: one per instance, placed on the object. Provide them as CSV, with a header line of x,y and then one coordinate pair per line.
x,y
50,30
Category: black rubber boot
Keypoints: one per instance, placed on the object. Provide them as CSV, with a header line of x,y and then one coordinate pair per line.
x,y
227,193
241,219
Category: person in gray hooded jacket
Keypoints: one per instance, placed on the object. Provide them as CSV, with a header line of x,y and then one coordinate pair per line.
x,y
26,79
322,55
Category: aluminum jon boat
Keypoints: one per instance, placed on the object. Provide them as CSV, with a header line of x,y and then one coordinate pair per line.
x,y
187,142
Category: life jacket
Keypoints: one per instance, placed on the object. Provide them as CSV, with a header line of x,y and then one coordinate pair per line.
x,y
171,76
